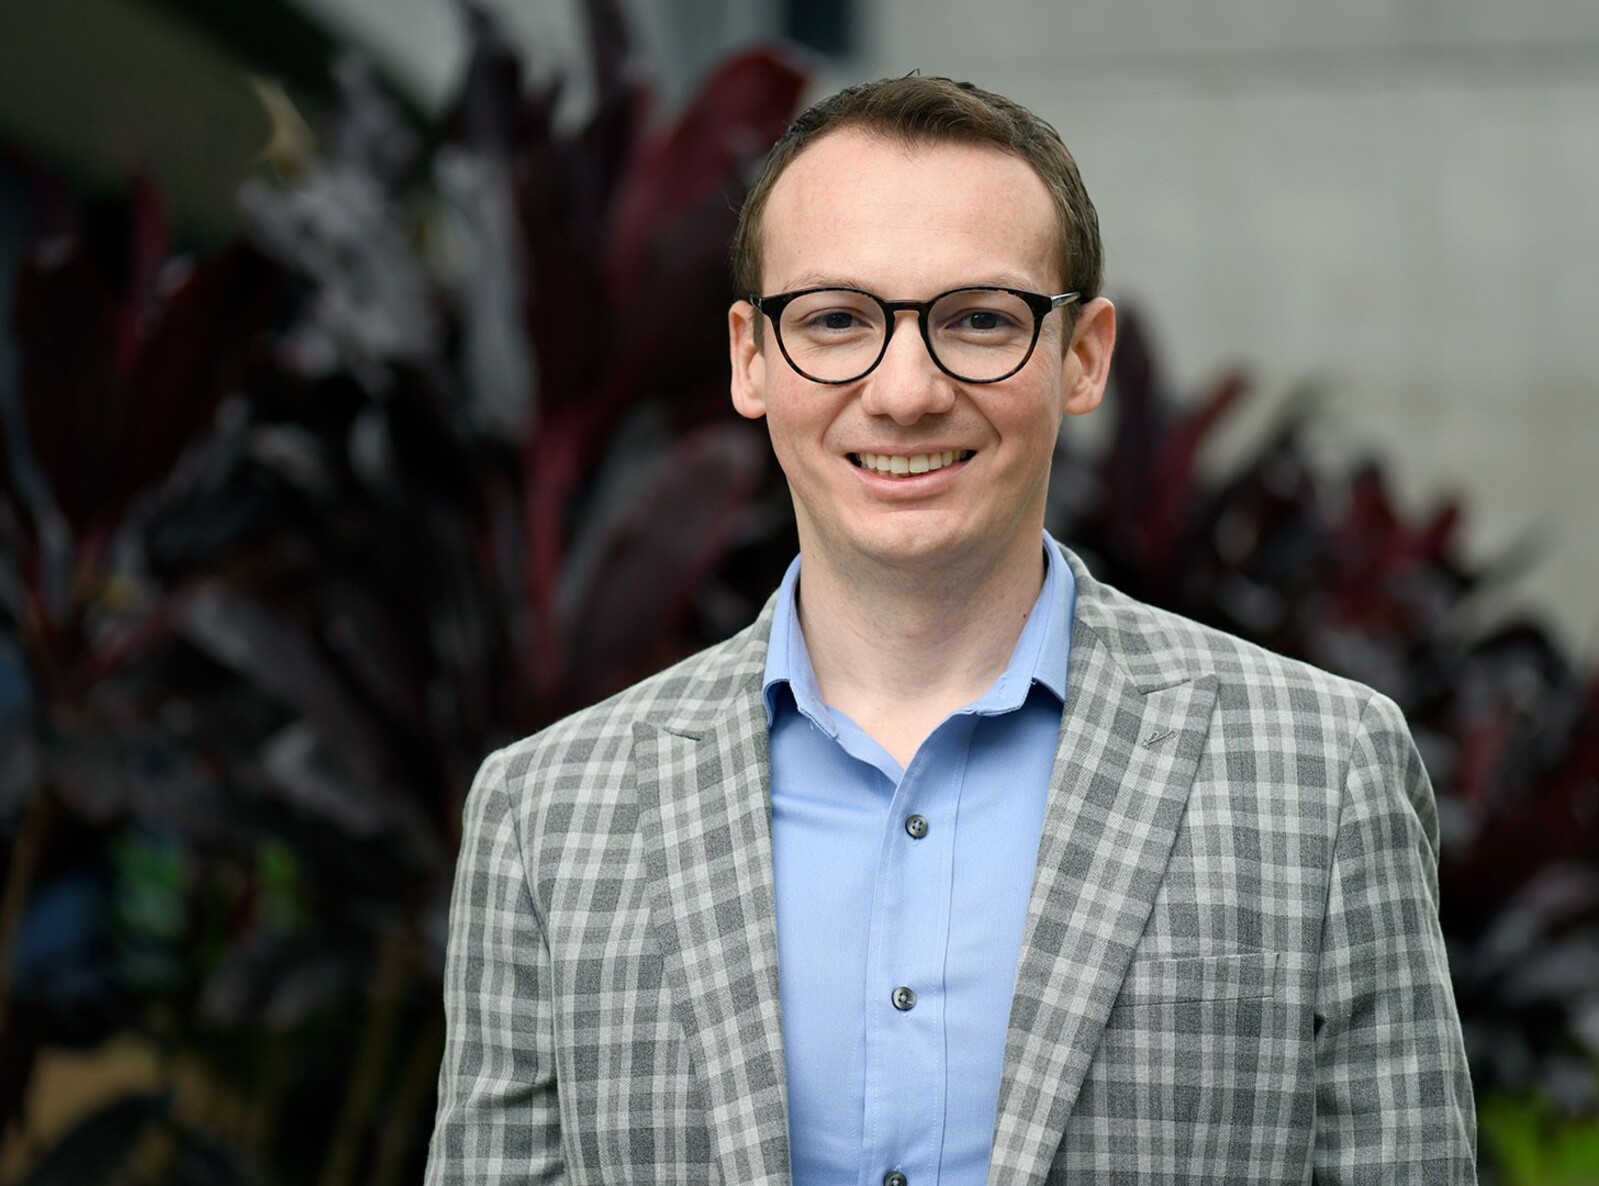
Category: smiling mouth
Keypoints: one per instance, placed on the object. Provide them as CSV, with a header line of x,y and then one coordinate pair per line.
x,y
906,464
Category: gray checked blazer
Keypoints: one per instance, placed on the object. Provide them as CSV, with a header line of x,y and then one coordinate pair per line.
x,y
1232,970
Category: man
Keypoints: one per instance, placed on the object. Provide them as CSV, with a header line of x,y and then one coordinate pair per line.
x,y
957,865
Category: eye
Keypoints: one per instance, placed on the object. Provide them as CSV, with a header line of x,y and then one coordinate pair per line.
x,y
831,316
833,319
979,320
982,319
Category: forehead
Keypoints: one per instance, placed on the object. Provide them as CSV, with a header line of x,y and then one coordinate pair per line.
x,y
908,220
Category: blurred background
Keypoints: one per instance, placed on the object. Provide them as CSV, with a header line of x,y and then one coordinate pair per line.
x,y
363,406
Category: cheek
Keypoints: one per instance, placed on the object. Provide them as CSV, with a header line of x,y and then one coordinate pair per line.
x,y
796,443
1035,439
780,426
800,421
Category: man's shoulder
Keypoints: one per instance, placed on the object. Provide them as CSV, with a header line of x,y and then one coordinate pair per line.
x,y
690,694
1157,647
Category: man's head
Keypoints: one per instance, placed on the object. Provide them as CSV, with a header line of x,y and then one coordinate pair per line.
x,y
917,112
921,278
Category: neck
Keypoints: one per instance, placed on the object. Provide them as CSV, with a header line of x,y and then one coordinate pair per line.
x,y
898,651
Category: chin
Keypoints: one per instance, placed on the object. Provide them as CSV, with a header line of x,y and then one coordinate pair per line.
x,y
918,546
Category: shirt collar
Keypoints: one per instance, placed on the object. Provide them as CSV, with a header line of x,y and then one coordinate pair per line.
x,y
1039,656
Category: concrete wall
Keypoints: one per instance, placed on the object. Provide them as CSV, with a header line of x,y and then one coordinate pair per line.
x,y
1399,198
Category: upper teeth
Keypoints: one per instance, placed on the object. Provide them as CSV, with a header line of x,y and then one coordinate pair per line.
x,y
916,463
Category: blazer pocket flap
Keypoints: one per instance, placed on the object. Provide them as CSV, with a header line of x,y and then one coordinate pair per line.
x,y
1244,976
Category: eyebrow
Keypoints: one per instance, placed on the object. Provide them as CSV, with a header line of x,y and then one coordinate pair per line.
x,y
992,280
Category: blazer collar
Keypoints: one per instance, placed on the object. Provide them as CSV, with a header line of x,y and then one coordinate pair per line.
x,y
704,788
1132,732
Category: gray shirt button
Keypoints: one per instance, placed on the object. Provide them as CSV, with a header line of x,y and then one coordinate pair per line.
x,y
904,999
916,825
895,1178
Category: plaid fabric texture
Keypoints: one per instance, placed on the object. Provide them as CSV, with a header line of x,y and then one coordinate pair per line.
x,y
1232,969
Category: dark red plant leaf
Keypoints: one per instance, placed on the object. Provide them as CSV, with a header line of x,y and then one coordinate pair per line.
x,y
621,107
100,441
1135,397
568,317
1175,496
1127,466
1480,757
1368,546
676,210
1437,543
554,459
66,321
149,241
739,112
672,320
195,354
1517,840
659,549
1182,445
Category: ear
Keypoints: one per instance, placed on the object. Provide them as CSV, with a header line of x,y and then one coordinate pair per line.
x,y
749,363
1093,340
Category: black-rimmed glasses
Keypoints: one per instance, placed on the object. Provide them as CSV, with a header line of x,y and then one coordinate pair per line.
x,y
980,334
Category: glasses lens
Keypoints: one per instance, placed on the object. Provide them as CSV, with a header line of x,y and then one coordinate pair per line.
x,y
833,335
979,334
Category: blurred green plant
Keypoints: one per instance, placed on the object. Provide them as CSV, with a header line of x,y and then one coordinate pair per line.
x,y
1536,1145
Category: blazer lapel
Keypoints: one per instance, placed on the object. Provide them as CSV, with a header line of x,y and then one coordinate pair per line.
x,y
1126,760
705,819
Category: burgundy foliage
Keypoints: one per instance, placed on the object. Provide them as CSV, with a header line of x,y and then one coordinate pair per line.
x,y
301,530
293,534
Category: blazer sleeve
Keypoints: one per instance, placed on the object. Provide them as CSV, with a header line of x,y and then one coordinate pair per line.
x,y
498,1121
1393,1093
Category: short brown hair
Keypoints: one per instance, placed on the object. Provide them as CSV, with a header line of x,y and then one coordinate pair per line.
x,y
918,111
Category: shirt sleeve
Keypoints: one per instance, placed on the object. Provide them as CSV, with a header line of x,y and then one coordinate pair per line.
x,y
498,1121
1393,1092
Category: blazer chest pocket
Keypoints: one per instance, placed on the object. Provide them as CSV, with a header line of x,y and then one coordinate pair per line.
x,y
1244,976
1207,1060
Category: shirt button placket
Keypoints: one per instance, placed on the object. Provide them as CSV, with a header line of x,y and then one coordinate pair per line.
x,y
908,937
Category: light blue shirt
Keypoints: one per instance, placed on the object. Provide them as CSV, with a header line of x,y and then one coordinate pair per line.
x,y
916,879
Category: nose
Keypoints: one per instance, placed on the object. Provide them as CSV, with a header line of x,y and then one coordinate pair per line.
x,y
907,384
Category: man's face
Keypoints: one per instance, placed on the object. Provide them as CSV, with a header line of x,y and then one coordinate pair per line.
x,y
856,211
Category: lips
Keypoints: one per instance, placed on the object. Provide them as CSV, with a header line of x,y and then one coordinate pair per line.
x,y
907,464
